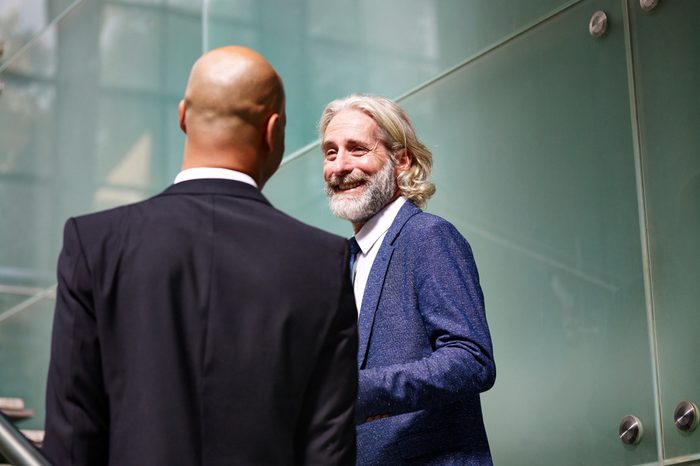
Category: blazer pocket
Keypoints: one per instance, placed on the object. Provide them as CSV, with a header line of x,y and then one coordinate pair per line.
x,y
432,442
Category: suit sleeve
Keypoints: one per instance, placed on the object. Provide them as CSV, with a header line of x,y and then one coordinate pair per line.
x,y
76,403
450,302
327,429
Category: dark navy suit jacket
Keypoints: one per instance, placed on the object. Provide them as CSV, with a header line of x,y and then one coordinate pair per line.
x,y
201,327
425,350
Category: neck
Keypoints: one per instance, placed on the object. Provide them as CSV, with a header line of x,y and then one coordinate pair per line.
x,y
357,226
240,160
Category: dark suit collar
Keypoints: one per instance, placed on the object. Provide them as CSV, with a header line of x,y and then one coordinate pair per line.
x,y
216,186
377,275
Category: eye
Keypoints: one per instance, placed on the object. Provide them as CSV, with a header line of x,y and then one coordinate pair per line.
x,y
359,150
329,153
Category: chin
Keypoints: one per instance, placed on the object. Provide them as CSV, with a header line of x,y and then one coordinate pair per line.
x,y
340,196
347,207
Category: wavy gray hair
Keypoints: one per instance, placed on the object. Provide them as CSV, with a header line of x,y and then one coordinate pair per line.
x,y
397,133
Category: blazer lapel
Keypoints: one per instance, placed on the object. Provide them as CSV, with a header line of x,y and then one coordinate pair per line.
x,y
377,276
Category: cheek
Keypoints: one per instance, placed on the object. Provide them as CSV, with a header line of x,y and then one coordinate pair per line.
x,y
327,172
371,168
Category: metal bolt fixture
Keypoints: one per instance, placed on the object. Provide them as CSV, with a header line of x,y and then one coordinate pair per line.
x,y
648,5
598,24
685,416
631,430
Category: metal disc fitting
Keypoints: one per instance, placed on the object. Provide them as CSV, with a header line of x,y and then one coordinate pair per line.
x,y
631,430
685,416
598,24
648,5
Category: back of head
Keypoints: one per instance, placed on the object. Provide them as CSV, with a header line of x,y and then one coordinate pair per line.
x,y
231,95
397,134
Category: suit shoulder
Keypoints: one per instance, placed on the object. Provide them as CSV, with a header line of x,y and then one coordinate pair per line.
x,y
424,223
425,232
109,221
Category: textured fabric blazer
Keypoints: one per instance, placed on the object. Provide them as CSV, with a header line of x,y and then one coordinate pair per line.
x,y
425,349
201,327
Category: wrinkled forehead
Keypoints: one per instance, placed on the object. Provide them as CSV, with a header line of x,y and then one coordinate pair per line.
x,y
351,125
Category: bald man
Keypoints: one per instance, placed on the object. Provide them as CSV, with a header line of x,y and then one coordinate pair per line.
x,y
202,326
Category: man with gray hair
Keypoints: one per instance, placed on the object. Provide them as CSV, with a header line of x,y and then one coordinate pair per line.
x,y
425,350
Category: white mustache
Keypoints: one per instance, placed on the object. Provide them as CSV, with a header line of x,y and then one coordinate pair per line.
x,y
336,181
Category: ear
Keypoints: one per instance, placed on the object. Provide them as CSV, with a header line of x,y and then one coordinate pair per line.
x,y
181,116
271,131
402,161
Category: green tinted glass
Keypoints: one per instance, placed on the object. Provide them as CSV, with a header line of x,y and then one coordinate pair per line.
x,y
667,62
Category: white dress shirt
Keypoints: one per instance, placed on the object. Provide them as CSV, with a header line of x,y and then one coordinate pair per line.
x,y
370,238
211,172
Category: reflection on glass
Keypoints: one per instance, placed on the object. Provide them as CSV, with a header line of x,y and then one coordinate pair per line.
x,y
20,23
25,125
24,358
130,47
242,10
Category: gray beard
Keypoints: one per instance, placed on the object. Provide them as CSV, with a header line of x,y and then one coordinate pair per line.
x,y
379,189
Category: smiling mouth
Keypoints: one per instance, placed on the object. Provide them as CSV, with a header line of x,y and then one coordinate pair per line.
x,y
343,187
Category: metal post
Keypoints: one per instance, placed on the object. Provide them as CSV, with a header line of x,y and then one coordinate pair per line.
x,y
16,448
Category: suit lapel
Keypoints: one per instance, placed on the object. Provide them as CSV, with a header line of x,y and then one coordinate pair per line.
x,y
377,276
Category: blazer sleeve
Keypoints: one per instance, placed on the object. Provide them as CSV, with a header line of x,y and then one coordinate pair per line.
x,y
451,304
77,415
326,433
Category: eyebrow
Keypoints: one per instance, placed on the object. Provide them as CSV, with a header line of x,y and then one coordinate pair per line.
x,y
356,142
347,141
326,144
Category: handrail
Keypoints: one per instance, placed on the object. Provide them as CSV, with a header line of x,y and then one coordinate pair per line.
x,y
16,448
28,303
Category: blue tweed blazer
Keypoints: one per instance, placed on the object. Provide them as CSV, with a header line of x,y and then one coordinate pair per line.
x,y
425,350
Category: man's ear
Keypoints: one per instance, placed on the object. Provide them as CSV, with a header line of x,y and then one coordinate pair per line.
x,y
402,161
181,116
270,131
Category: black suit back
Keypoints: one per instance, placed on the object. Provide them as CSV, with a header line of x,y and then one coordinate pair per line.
x,y
223,333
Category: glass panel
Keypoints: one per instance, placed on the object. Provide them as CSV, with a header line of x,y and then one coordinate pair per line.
x,y
325,49
9,301
90,125
534,163
183,31
24,359
667,59
538,172
130,40
26,128
86,132
26,230
21,22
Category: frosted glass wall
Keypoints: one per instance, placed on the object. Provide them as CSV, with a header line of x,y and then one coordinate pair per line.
x,y
571,164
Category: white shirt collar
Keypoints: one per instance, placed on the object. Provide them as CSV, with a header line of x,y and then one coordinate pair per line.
x,y
211,172
378,225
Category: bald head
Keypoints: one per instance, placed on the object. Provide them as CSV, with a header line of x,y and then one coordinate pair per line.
x,y
233,113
